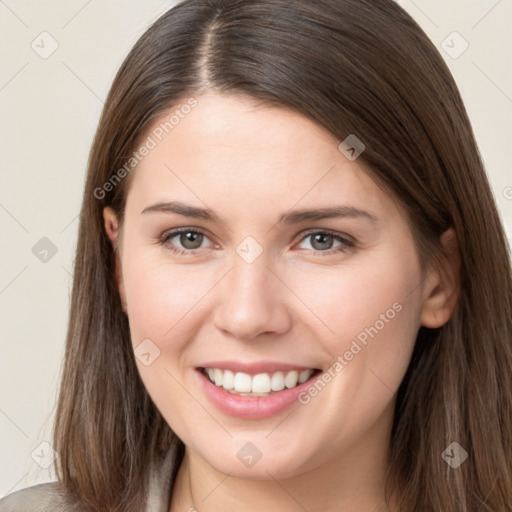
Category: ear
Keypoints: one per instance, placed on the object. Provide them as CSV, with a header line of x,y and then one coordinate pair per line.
x,y
112,229
442,286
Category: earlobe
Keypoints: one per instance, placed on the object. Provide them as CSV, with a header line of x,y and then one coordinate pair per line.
x,y
111,225
442,289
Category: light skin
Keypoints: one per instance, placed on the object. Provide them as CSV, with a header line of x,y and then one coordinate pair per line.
x,y
302,301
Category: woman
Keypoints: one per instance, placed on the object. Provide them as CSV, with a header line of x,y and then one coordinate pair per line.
x,y
292,289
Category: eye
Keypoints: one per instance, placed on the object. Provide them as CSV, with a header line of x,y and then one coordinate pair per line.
x,y
189,239
325,241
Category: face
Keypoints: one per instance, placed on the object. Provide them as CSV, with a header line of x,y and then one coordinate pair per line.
x,y
254,253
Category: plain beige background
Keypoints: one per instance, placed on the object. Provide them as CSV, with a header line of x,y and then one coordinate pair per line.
x,y
49,108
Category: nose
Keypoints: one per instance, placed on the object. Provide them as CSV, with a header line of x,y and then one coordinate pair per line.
x,y
252,301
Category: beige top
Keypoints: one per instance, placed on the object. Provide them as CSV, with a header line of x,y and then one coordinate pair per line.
x,y
49,498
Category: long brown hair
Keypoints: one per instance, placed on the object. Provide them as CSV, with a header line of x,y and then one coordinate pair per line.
x,y
355,67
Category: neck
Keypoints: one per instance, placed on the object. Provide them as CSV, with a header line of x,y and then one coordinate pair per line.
x,y
352,482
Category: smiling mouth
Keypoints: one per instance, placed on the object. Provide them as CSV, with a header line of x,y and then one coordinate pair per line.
x,y
261,384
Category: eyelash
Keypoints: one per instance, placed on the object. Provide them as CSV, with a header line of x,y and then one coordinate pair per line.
x,y
348,243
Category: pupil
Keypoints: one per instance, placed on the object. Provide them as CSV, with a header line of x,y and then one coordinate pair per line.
x,y
191,240
322,241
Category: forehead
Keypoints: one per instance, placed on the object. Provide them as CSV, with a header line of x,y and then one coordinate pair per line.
x,y
228,147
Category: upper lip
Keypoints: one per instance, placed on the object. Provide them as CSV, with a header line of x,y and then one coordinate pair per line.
x,y
254,367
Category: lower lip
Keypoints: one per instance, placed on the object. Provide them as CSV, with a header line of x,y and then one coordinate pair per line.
x,y
252,407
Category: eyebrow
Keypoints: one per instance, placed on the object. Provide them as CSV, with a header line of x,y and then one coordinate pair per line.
x,y
294,217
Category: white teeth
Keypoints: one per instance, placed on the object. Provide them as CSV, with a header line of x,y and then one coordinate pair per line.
x,y
243,382
277,381
304,375
218,376
257,385
261,383
290,381
228,381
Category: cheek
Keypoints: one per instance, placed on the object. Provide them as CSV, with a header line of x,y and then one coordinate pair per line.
x,y
167,306
372,315
348,300
163,298
367,319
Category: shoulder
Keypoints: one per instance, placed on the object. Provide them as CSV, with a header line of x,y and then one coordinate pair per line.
x,y
38,498
49,497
